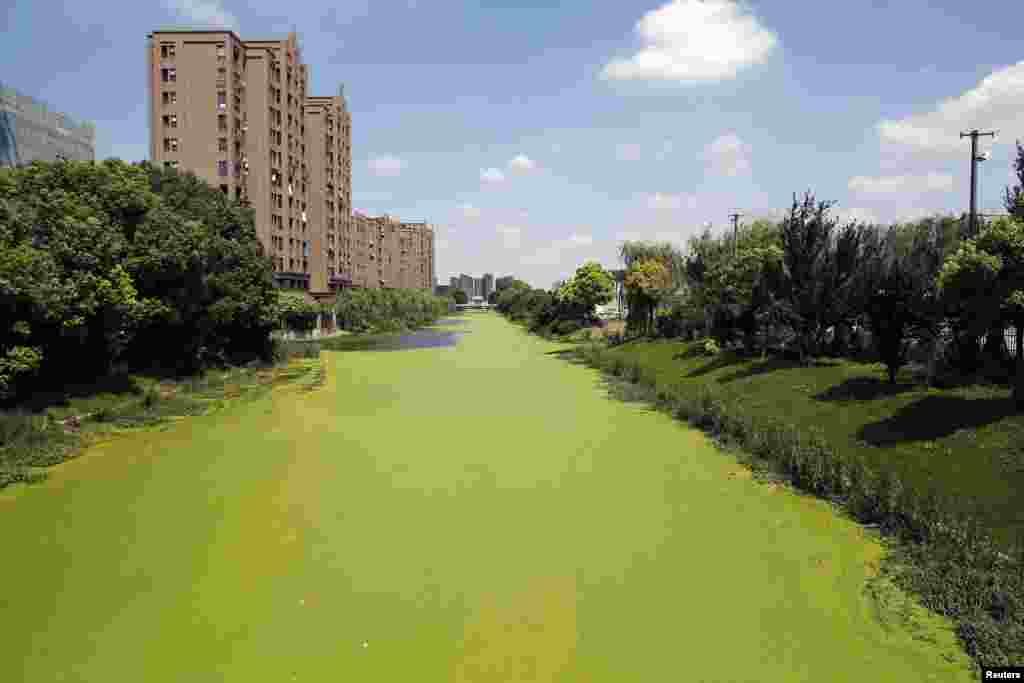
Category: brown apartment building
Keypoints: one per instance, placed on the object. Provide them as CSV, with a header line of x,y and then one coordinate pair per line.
x,y
238,114
329,133
391,254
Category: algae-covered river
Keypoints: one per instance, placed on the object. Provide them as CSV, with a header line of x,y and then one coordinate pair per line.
x,y
476,512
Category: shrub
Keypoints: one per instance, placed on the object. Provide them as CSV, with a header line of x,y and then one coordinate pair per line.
x,y
710,347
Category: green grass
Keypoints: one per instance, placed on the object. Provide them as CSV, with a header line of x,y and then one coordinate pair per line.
x,y
966,442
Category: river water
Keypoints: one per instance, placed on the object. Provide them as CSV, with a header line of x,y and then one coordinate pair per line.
x,y
477,510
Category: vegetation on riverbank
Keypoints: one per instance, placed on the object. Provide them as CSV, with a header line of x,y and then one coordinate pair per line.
x,y
565,310
57,425
388,310
789,329
111,266
940,471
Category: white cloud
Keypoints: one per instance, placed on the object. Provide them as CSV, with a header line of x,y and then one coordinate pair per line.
x,y
492,175
628,151
994,104
388,166
728,155
562,252
207,12
694,41
670,202
856,214
522,163
510,235
897,185
469,211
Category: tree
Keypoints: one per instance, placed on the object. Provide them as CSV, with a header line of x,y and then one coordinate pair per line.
x,y
647,283
985,279
590,286
820,265
460,296
492,298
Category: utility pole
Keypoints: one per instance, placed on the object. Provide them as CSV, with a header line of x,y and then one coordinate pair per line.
x,y
735,232
975,158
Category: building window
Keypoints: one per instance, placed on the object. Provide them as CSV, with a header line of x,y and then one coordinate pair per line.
x,y
224,189
169,75
170,144
170,121
222,123
222,99
167,51
170,97
222,168
222,144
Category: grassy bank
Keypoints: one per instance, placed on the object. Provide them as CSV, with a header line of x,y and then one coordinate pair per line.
x,y
939,470
52,428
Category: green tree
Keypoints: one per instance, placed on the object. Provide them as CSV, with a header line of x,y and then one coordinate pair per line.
x,y
590,286
460,297
63,289
821,262
985,280
647,283
198,258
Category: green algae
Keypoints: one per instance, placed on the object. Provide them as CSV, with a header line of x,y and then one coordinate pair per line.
x,y
472,513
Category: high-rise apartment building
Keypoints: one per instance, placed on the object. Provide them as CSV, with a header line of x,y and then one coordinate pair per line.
x,y
238,114
231,111
487,285
392,254
504,282
329,133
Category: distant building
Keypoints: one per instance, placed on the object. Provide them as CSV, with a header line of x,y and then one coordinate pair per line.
x,y
466,285
30,131
453,283
488,285
442,290
504,282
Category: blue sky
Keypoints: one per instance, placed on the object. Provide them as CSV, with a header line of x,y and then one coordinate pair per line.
x,y
537,135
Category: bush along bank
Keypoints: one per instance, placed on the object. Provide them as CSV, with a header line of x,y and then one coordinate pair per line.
x,y
943,556
57,426
388,310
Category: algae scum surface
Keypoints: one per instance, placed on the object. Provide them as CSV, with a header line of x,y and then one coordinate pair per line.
x,y
476,512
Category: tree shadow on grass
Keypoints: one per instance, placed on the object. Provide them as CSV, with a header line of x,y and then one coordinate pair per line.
x,y
761,368
722,360
935,417
863,389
